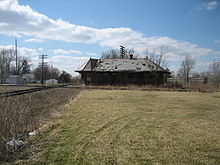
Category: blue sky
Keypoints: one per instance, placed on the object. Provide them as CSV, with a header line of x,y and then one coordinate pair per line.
x,y
70,32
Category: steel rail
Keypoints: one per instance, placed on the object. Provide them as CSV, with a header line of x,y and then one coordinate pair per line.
x,y
31,90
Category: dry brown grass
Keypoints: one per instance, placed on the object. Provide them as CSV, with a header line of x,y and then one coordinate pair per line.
x,y
134,127
23,114
210,87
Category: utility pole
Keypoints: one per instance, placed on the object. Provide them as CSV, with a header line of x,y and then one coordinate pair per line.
x,y
16,57
122,51
42,65
52,73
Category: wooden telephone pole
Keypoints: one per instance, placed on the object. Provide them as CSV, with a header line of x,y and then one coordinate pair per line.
x,y
42,64
16,57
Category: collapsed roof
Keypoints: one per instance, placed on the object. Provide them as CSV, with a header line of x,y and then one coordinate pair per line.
x,y
120,65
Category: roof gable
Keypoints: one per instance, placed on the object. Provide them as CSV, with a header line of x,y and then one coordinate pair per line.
x,y
88,66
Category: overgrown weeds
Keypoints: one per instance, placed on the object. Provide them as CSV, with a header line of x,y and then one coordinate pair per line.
x,y
20,115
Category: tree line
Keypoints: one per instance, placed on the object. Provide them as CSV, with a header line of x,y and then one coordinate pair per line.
x,y
10,65
50,72
159,56
212,75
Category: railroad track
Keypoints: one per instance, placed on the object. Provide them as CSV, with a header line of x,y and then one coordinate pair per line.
x,y
31,90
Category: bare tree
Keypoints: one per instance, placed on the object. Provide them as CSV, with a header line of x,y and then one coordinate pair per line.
x,y
23,66
111,54
54,72
115,54
6,59
186,68
215,72
128,52
49,73
158,56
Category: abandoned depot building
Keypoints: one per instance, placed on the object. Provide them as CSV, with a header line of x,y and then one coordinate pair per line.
x,y
139,71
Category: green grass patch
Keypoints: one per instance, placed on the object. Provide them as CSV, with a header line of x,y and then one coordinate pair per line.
x,y
134,127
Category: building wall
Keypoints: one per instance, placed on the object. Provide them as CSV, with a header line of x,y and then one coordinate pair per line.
x,y
52,81
14,79
122,78
28,78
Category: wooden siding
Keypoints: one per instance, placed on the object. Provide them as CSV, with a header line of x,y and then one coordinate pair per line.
x,y
122,78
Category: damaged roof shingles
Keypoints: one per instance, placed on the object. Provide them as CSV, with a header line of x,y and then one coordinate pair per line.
x,y
118,65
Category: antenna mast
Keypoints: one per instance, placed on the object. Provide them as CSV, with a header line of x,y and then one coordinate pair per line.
x,y
122,51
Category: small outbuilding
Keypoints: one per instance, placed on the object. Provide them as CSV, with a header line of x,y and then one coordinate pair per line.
x,y
52,81
28,78
14,79
139,71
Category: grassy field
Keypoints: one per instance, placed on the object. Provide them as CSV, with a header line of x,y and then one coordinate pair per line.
x,y
134,127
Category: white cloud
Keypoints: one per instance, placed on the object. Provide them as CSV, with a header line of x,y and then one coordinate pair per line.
x,y
31,23
22,20
32,54
64,52
40,49
217,41
27,52
22,51
71,63
71,52
7,47
67,63
207,6
177,50
211,5
34,40
217,53
91,54
202,66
